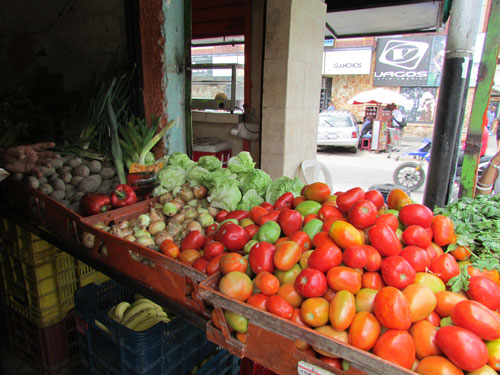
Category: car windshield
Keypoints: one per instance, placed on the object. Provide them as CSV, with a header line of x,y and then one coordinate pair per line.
x,y
335,120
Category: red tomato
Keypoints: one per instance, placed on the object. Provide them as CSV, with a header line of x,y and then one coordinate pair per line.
x,y
213,264
446,267
325,256
373,258
376,197
397,272
302,239
336,363
290,294
345,234
490,274
327,212
290,221
233,236
236,285
434,251
193,240
417,214
268,206
317,191
437,365
384,239
433,318
311,282
287,255
270,216
298,200
397,199
362,214
232,262
417,257
347,199
415,235
461,253
421,299
364,330
344,278
392,308
261,257
211,230
169,248
424,336
237,214
309,217
267,283
443,230
446,301
188,256
251,229
257,212
372,280
396,346
484,290
321,238
464,348
388,219
477,318
221,216
212,248
285,201
355,256
258,300
277,305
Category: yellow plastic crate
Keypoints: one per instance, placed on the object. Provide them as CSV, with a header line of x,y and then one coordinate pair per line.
x,y
88,275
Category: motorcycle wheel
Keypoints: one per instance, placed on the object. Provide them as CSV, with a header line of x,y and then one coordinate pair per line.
x,y
409,176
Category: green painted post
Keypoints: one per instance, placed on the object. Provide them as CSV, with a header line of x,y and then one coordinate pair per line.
x,y
188,75
480,103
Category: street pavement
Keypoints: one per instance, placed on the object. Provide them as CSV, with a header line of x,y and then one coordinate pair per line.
x,y
365,168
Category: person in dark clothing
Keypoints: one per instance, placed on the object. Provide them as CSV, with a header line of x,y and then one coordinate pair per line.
x,y
367,127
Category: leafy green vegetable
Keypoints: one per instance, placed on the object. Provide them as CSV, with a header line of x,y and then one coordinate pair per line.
x,y
249,200
172,176
209,162
179,159
281,186
195,174
240,163
210,179
477,225
226,195
255,179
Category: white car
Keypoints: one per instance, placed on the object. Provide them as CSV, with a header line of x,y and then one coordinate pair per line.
x,y
338,128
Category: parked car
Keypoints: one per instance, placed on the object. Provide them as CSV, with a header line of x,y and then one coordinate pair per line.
x,y
338,128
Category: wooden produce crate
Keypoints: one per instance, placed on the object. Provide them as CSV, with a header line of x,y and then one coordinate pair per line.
x,y
165,276
271,340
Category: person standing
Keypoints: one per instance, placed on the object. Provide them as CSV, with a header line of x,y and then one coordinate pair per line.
x,y
492,113
331,107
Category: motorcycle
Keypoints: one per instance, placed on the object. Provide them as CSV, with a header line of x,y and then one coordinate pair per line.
x,y
411,175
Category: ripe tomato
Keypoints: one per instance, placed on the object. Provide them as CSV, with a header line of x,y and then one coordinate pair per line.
x,y
431,280
494,354
417,257
188,256
446,267
232,262
433,318
236,285
251,230
492,275
317,191
169,248
443,230
267,283
364,299
258,300
221,215
392,308
287,255
464,348
373,258
477,318
362,214
384,239
336,363
434,251
484,290
446,301
421,299
321,238
261,257
416,214
200,264
375,197
355,256
270,216
461,253
285,201
437,365
233,236
364,330
290,221
342,310
424,336
290,294
311,283
325,256
344,278
213,264
237,214
193,240
329,294
288,276
396,346
415,235
277,305
314,311
348,198
302,239
327,212
397,199
345,234
388,219
372,280
397,272
256,212
212,248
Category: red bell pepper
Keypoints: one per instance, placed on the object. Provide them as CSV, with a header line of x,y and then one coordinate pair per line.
x,y
123,195
94,203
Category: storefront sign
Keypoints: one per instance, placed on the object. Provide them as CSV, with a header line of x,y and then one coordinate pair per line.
x,y
352,61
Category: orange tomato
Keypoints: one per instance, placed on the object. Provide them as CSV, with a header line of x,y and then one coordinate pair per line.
x,y
422,301
232,262
340,278
446,301
437,365
342,310
364,330
372,280
317,191
267,283
287,255
188,256
396,346
314,311
397,199
424,336
304,259
302,239
364,299
329,295
345,234
299,344
258,300
290,294
392,308
443,230
241,337
236,285
492,275
461,253
169,248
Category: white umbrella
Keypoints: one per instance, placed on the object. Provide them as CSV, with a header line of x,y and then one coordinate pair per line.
x,y
381,96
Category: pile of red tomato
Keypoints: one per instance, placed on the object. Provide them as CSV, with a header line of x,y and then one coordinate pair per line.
x,y
370,274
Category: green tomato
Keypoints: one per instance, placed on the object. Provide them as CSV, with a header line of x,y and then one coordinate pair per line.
x,y
235,321
288,276
313,227
248,246
446,322
269,232
308,207
234,221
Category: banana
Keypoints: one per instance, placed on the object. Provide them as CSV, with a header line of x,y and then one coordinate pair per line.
x,y
102,326
136,309
120,310
111,312
140,317
148,323
142,300
138,296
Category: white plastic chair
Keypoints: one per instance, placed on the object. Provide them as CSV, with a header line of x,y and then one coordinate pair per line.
x,y
315,171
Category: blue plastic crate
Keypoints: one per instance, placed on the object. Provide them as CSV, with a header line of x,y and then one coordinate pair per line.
x,y
166,348
223,363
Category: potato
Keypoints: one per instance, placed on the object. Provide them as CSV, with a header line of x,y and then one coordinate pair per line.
x,y
58,195
81,170
90,184
75,180
73,163
32,181
107,172
75,206
64,169
77,196
57,163
64,202
59,184
46,189
70,191
95,166
42,180
67,177
46,171
104,189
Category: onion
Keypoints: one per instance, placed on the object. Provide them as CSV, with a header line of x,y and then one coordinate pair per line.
x,y
174,229
145,241
190,212
194,225
177,219
200,192
170,209
130,238
141,233
193,203
156,214
164,198
143,220
88,240
156,227
186,194
213,211
206,220
162,236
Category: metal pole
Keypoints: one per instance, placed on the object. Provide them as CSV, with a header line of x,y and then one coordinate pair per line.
x,y
464,20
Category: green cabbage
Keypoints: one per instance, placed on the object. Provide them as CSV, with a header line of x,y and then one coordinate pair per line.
x,y
240,163
281,186
171,176
225,195
249,200
212,178
179,159
195,174
209,162
255,179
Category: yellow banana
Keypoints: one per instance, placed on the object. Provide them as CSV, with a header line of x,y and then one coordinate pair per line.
x,y
148,323
140,317
138,296
111,312
102,326
120,310
142,300
136,309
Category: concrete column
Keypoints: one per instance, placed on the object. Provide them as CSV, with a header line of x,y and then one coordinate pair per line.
x,y
293,61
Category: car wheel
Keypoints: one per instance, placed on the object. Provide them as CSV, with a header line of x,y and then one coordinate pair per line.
x,y
353,149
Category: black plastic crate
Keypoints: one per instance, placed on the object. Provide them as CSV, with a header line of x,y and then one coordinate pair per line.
x,y
166,348
222,363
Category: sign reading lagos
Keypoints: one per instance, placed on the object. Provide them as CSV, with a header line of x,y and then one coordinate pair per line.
x,y
402,61
353,61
